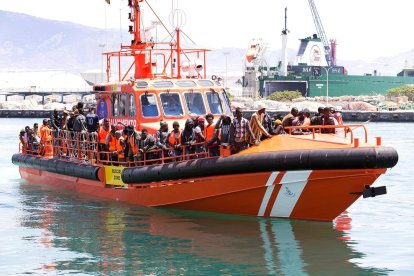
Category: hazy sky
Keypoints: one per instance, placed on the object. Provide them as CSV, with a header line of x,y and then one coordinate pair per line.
x,y
364,29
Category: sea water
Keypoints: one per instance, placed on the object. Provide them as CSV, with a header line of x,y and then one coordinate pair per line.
x,y
44,230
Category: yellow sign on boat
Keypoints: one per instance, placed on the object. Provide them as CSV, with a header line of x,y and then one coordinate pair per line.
x,y
113,175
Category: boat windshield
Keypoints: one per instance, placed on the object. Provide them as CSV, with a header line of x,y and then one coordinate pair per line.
x,y
195,103
149,106
226,102
214,102
171,104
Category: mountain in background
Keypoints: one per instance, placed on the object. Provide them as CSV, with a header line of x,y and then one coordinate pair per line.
x,y
31,43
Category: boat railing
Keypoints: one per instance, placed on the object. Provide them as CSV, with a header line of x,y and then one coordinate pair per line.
x,y
84,147
346,130
156,156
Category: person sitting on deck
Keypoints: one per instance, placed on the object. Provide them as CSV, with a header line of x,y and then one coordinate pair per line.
x,y
337,114
267,124
174,140
299,121
288,119
145,143
328,119
316,119
306,121
256,124
241,132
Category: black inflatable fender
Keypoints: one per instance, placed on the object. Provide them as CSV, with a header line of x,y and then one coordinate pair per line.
x,y
56,166
321,159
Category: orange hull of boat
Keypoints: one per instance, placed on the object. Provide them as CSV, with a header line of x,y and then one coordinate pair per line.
x,y
311,195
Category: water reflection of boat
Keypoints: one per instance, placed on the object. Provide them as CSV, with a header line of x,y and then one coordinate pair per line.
x,y
112,238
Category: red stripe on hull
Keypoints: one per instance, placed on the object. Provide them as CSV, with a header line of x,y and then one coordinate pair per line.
x,y
326,195
274,193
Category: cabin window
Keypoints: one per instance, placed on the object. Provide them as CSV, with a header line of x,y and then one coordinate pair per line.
x,y
302,47
171,104
186,83
115,103
141,84
132,106
122,104
214,102
226,102
160,84
149,107
195,103
205,83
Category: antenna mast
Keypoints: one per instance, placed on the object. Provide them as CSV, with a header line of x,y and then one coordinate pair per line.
x,y
321,32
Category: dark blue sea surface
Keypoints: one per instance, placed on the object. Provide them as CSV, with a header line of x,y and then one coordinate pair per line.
x,y
51,231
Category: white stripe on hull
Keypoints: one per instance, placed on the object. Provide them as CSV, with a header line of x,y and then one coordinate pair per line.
x,y
269,191
293,183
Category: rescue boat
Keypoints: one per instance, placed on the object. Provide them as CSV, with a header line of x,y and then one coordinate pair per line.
x,y
312,177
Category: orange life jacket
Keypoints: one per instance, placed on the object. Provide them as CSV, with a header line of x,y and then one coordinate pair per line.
x,y
45,134
111,142
172,139
120,148
209,132
102,135
132,143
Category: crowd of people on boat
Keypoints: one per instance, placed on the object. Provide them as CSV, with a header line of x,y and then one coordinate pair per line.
x,y
200,137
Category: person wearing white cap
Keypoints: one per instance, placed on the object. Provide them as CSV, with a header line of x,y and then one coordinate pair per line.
x,y
256,124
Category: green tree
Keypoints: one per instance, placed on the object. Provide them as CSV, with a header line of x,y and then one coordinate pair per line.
x,y
407,91
284,95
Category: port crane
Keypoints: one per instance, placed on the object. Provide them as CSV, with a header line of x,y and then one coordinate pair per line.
x,y
321,33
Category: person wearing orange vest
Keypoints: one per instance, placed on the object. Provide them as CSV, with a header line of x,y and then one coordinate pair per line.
x,y
46,139
110,143
223,135
103,132
213,148
174,140
133,137
120,146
